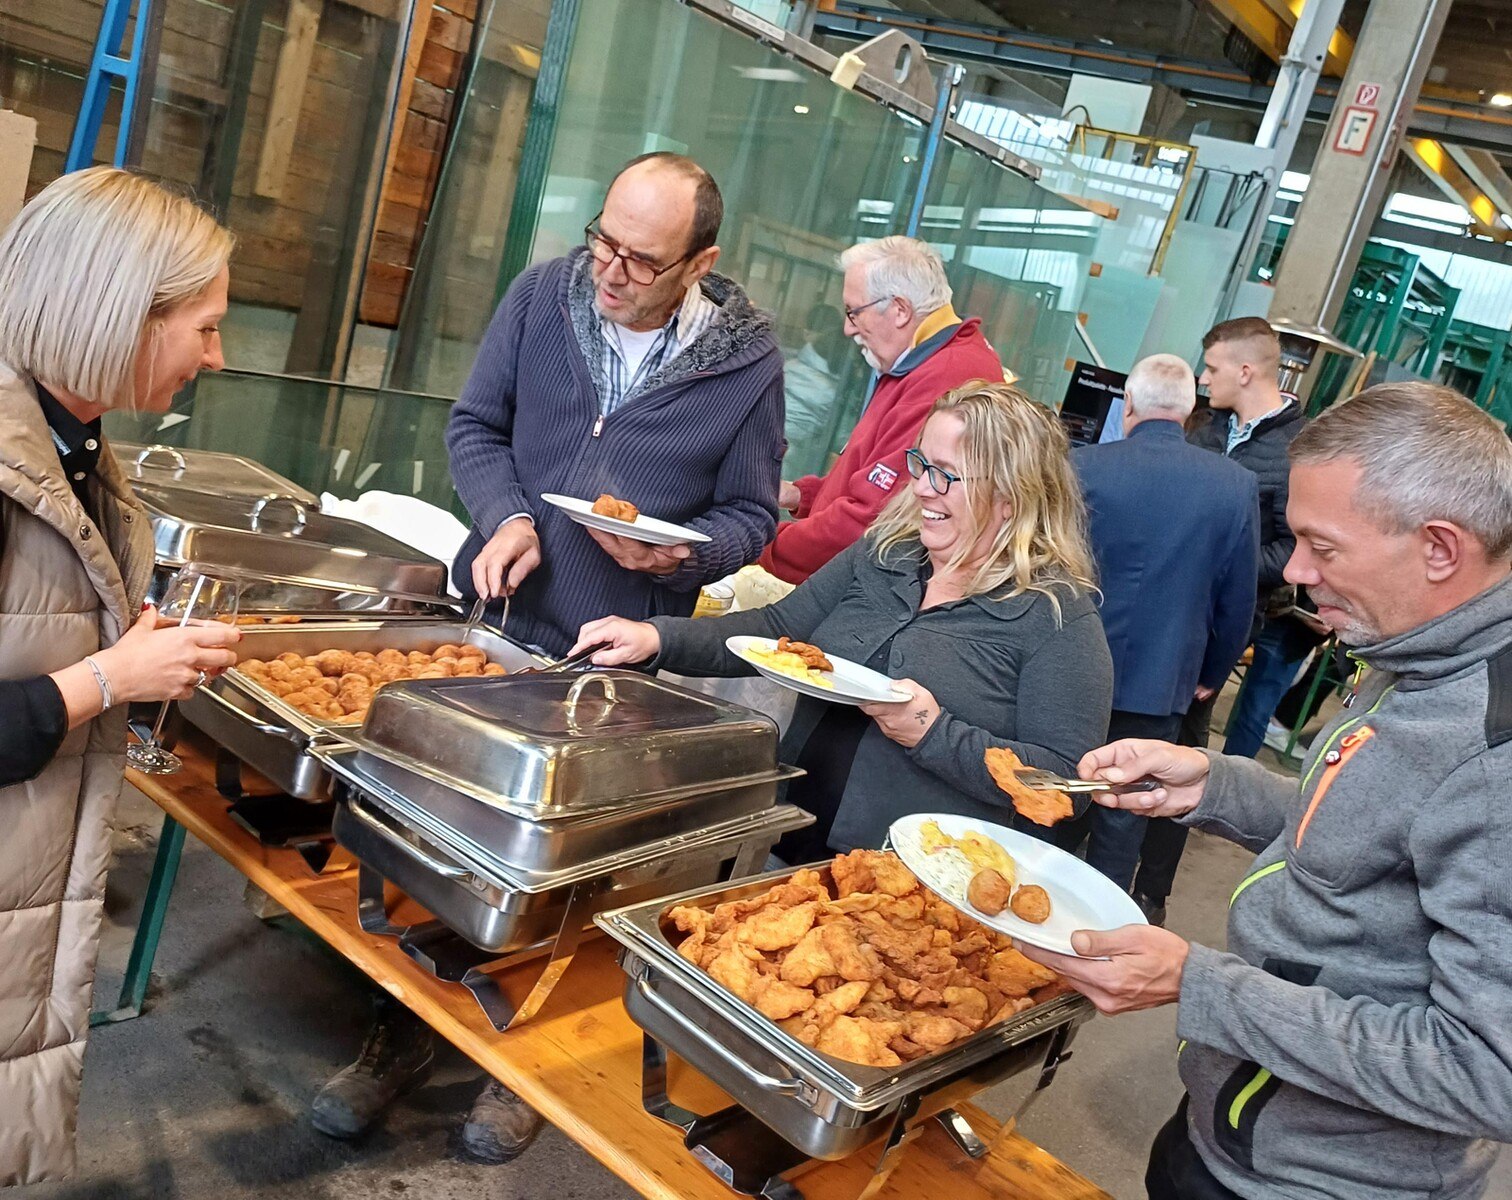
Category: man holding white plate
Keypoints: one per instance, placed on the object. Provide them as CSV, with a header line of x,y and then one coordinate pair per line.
x,y
629,368
1353,1043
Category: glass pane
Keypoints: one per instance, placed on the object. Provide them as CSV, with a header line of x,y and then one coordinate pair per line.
x,y
273,112
328,437
454,285
1018,256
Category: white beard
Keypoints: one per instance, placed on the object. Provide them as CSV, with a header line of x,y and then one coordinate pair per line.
x,y
871,359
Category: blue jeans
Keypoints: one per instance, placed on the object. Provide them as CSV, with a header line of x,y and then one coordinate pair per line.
x,y
1277,658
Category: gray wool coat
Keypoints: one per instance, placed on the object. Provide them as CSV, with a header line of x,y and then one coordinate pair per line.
x,y
1006,672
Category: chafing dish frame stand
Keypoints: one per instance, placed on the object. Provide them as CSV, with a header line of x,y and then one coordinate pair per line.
x,y
452,958
752,1159
278,821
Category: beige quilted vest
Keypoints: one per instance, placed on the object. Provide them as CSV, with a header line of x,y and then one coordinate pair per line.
x,y
67,587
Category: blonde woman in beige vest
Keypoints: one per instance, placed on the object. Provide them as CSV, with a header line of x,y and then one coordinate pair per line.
x,y
110,292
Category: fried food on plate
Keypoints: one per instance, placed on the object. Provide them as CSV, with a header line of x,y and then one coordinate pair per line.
x,y
812,656
874,970
988,892
796,660
1043,808
621,510
1031,903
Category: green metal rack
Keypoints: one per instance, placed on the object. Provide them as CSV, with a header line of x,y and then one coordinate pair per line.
x,y
1477,360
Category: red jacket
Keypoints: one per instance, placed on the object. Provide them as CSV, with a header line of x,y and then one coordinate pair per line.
x,y
837,508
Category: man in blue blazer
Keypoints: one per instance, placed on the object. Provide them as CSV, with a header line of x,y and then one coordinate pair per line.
x,y
1175,530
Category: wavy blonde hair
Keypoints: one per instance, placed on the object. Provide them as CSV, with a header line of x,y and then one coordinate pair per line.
x,y
1016,450
87,271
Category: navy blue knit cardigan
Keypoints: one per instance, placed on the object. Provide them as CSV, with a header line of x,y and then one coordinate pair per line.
x,y
700,444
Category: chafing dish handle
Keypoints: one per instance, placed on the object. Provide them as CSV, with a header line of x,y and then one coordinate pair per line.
x,y
174,456
289,735
768,1083
397,839
301,514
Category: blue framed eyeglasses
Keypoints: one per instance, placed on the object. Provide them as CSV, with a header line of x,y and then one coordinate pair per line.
x,y
939,478
852,313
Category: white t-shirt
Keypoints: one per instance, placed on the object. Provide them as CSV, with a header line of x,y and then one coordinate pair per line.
x,y
634,346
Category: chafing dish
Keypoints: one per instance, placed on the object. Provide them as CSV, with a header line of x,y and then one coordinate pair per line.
x,y
504,911
819,1106
205,471
274,738
294,558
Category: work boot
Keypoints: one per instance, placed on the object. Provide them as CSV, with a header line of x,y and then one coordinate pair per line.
x,y
1154,910
500,1125
396,1057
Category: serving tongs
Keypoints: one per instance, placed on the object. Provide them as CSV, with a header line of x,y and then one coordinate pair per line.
x,y
1048,781
568,663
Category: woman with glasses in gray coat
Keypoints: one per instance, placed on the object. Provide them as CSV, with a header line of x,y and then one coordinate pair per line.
x,y
973,591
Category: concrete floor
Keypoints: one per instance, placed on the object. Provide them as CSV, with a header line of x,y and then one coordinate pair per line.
x,y
206,1095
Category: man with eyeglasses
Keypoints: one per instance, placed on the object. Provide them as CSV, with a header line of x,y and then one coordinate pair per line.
x,y
896,301
626,367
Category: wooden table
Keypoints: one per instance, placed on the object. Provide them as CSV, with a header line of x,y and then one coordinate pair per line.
x,y
578,1062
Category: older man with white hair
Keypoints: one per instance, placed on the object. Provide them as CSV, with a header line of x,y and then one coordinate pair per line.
x,y
1352,1042
897,310
1175,531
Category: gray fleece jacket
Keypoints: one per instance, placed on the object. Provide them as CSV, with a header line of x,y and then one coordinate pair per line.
x,y
1355,1042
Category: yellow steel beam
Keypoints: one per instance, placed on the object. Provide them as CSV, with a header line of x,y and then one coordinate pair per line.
x,y
1438,164
1269,24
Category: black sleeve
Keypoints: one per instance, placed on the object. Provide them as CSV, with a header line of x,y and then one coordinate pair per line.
x,y
32,729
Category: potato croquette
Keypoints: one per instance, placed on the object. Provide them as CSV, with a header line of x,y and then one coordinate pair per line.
x,y
988,892
1031,903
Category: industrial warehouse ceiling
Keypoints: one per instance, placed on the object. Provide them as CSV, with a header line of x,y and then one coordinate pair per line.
x,y
1474,55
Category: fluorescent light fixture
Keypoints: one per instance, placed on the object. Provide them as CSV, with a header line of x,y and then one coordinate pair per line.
x,y
769,74
801,109
1502,100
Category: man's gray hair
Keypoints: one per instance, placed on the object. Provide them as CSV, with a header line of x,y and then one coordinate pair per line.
x,y
904,267
1162,386
1425,454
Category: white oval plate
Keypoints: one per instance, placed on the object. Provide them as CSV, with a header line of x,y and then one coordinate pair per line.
x,y
642,529
1081,897
854,684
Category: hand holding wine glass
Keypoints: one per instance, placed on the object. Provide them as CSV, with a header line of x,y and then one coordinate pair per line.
x,y
199,601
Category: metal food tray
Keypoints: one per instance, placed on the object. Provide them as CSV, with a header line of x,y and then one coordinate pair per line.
x,y
508,915
823,1106
552,746
536,848
274,738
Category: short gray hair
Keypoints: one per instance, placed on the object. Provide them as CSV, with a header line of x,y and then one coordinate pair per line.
x,y
1425,454
904,267
87,271
1162,385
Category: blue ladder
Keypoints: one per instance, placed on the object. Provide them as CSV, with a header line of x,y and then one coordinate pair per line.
x,y
109,63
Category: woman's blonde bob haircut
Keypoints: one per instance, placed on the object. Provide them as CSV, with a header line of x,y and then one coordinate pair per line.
x,y
86,270
1016,450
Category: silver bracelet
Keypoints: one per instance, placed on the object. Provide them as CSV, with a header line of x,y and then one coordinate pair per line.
x,y
106,694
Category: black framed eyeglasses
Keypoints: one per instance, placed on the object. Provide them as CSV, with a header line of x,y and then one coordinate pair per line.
x,y
939,478
605,249
850,313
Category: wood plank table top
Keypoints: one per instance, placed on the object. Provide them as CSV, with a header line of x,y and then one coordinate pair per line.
x,y
578,1062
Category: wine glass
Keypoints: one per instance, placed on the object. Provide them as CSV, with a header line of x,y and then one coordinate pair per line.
x,y
194,595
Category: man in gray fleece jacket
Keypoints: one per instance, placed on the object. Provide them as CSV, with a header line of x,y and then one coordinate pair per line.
x,y
1355,1041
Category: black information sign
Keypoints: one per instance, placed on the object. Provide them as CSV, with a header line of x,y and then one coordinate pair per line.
x,y
1091,394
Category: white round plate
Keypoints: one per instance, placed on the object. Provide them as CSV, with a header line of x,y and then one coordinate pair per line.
x,y
854,684
1081,897
642,529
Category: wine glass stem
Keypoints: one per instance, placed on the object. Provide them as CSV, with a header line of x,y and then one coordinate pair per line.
x,y
162,717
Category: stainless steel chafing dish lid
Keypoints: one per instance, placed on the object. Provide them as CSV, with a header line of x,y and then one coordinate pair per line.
x,y
205,471
543,746
280,538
